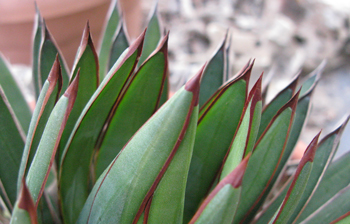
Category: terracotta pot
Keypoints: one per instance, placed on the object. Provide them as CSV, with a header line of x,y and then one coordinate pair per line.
x,y
65,19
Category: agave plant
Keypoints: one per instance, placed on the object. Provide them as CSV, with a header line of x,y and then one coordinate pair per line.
x,y
104,143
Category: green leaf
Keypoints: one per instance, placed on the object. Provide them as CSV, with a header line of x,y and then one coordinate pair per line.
x,y
25,210
216,127
264,160
221,204
86,63
46,101
301,113
338,172
324,154
213,75
74,174
12,141
37,45
227,66
344,219
298,185
145,161
153,35
334,208
247,131
110,27
313,79
47,56
132,111
214,96
270,110
45,153
14,95
120,43
167,202
325,151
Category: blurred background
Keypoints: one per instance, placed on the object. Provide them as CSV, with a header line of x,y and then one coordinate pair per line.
x,y
285,37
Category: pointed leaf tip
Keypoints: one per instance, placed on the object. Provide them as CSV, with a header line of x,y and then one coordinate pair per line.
x,y
137,44
193,84
235,178
310,151
55,70
72,89
25,202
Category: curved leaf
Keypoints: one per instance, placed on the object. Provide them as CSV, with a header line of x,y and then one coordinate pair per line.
x,y
44,157
86,63
145,161
264,160
213,75
120,43
37,45
12,141
46,101
221,204
110,27
246,133
325,151
216,127
132,111
338,172
74,174
298,185
47,56
152,37
270,110
334,208
14,95
25,210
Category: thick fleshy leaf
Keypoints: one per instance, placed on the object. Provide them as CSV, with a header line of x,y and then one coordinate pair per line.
x,y
86,62
270,110
338,172
207,104
213,75
152,37
323,157
220,205
132,111
264,160
110,27
37,44
246,133
145,161
167,202
14,95
344,219
298,185
74,174
227,58
301,113
313,79
324,153
216,127
25,210
334,208
47,56
46,101
119,44
12,140
154,34
45,154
